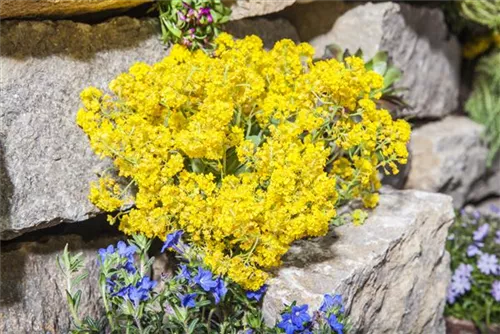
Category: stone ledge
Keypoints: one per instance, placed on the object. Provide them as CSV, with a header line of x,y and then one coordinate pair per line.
x,y
392,271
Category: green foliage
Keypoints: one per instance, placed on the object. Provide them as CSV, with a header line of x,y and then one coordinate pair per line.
x,y
471,236
72,268
483,105
484,12
194,301
193,23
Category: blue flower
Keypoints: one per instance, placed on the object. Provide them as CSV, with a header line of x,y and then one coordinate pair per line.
x,y
126,251
204,279
299,316
172,240
286,324
257,295
330,302
335,324
129,267
104,252
146,283
137,295
188,300
497,237
220,290
184,273
110,285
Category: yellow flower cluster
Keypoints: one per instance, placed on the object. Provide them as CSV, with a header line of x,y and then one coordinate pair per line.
x,y
246,151
480,45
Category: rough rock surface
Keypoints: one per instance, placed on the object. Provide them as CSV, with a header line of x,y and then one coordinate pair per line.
x,y
32,290
448,156
420,45
270,31
316,18
45,8
45,160
249,8
392,271
488,184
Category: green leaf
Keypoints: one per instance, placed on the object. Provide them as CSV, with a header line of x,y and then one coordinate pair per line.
x,y
392,75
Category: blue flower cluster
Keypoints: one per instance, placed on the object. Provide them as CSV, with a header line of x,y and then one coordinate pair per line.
x,y
330,314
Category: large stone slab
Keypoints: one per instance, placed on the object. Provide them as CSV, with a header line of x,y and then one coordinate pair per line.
x,y
392,271
45,8
488,184
248,8
32,298
448,156
46,162
419,43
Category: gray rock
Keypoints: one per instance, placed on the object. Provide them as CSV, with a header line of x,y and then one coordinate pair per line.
x,y
270,31
46,162
490,207
249,8
420,45
488,184
392,271
33,288
448,156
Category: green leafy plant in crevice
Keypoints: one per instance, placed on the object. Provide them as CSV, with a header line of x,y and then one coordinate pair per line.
x,y
483,105
484,12
193,23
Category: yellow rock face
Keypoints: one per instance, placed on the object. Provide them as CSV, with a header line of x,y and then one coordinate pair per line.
x,y
47,8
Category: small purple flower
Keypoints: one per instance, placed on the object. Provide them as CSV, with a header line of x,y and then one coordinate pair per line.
x,y
451,295
335,324
257,295
188,300
488,264
205,11
495,209
172,240
473,250
464,270
495,290
451,237
330,302
481,232
497,237
182,17
204,279
460,284
476,214
104,252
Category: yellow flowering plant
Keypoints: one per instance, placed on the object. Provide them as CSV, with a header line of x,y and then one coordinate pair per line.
x,y
246,151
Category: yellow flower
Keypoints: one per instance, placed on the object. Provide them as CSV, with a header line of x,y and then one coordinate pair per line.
x,y
246,151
